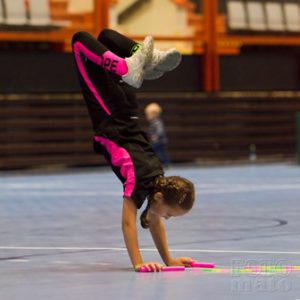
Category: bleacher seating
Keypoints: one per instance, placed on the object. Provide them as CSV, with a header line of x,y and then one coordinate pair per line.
x,y
15,13
274,16
40,15
36,17
292,16
1,13
237,15
263,16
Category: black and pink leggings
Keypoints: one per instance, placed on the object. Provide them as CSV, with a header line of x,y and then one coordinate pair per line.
x,y
101,64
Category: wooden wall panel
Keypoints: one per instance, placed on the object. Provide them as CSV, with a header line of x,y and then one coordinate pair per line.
x,y
54,130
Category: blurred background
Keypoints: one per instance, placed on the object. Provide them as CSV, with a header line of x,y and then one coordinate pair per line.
x,y
233,99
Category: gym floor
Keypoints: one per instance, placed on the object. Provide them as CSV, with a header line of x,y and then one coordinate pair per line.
x,y
61,237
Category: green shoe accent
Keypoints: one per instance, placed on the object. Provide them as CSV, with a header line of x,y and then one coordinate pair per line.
x,y
135,48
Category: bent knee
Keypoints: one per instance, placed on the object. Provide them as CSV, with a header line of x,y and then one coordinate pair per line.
x,y
104,35
78,36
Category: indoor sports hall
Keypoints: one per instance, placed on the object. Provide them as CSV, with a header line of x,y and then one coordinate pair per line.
x,y
222,112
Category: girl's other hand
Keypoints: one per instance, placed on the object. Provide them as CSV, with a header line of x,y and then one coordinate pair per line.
x,y
149,266
181,261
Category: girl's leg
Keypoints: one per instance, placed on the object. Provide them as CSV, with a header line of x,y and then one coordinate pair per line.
x,y
118,43
85,45
101,89
130,69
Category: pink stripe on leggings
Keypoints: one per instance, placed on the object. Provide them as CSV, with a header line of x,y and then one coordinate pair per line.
x,y
120,158
114,63
78,47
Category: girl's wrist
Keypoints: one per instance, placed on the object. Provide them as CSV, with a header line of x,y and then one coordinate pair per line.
x,y
137,264
168,261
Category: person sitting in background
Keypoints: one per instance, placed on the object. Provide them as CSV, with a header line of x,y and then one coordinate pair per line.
x,y
156,132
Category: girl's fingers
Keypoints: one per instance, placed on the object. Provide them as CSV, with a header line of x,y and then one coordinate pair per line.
x,y
158,267
186,260
155,267
148,268
152,266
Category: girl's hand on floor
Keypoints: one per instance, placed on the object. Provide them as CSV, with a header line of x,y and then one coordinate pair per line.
x,y
150,266
181,261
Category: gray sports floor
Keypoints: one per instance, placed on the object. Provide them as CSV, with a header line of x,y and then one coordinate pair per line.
x,y
60,236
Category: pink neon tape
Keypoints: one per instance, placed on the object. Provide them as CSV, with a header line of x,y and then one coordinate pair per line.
x,y
163,269
78,48
120,158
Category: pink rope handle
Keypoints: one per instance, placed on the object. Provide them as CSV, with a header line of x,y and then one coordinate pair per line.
x,y
163,269
198,264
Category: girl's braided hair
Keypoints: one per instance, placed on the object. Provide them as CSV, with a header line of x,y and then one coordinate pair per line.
x,y
177,192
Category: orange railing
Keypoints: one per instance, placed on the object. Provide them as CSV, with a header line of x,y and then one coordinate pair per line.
x,y
210,39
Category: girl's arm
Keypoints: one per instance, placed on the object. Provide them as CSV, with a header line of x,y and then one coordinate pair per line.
x,y
158,232
131,237
130,231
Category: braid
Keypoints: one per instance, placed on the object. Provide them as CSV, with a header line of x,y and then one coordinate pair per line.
x,y
143,217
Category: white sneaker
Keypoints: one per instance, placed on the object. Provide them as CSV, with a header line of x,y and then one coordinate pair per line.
x,y
162,61
137,62
153,74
